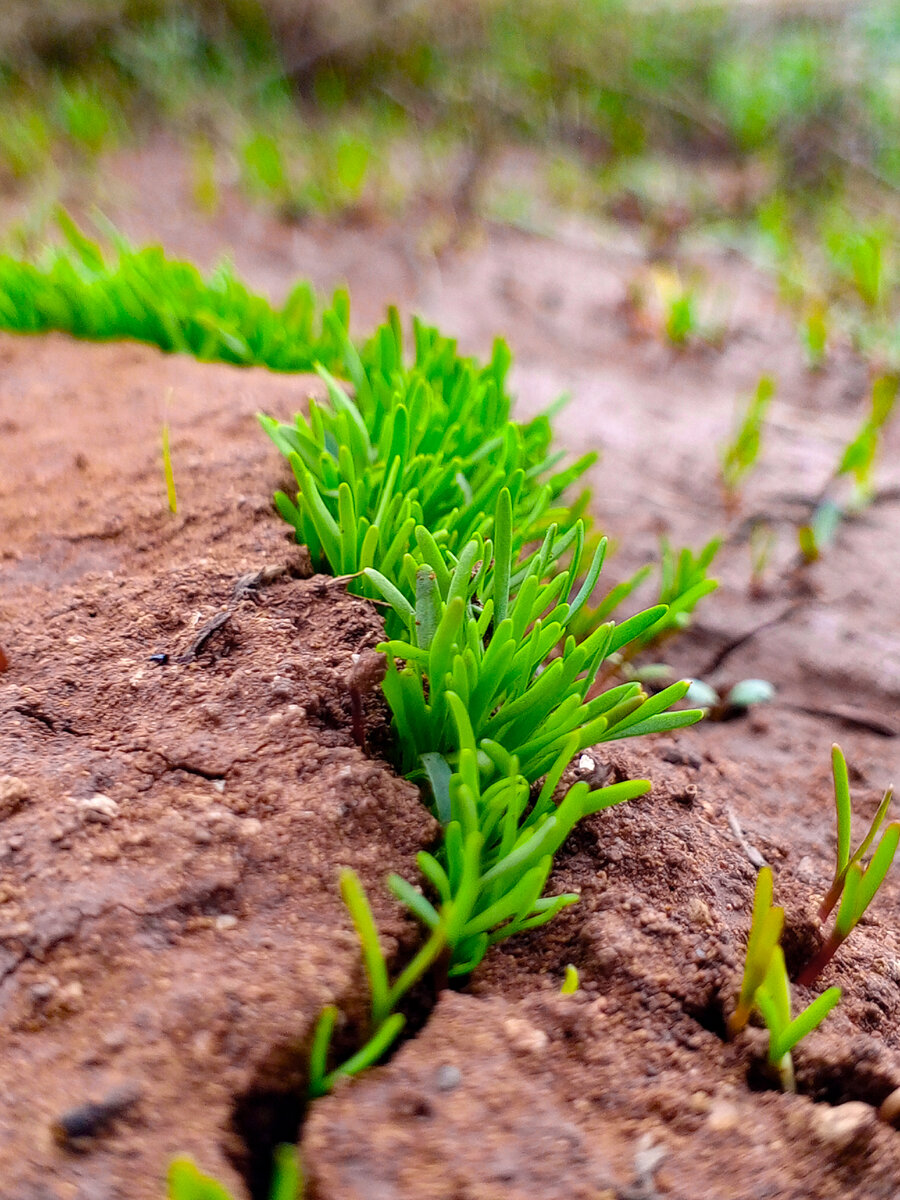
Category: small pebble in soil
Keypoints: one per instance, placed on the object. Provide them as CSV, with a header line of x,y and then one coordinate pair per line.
x,y
722,1116
75,1127
97,808
681,758
13,794
43,990
524,1037
845,1126
447,1078
890,1108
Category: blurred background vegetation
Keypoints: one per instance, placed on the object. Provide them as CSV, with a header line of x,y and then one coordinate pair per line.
x,y
775,127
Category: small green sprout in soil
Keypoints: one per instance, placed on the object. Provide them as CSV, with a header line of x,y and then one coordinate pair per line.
x,y
858,255
814,332
168,472
762,545
765,987
680,316
204,181
773,1002
814,538
85,116
860,455
854,886
739,456
857,463
684,581
187,1182
571,982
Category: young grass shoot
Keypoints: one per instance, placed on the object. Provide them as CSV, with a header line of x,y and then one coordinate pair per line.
x,y
854,885
765,987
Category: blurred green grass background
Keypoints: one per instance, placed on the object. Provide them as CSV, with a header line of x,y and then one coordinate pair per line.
x,y
776,126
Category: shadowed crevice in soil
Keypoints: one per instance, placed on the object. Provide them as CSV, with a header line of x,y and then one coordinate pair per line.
x,y
272,1109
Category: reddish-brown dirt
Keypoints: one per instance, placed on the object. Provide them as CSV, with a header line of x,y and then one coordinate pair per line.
x,y
179,937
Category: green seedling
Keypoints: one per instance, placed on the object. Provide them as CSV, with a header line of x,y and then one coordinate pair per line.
x,y
571,982
857,461
168,472
204,184
765,987
814,333
186,1182
26,141
263,167
858,253
681,321
819,534
773,1002
762,546
738,457
680,318
683,582
859,457
86,116
853,885
760,94
765,933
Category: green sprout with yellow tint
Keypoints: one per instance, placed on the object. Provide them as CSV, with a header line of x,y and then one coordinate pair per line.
x,y
854,886
187,1182
765,988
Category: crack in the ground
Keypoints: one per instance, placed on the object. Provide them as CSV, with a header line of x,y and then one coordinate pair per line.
x,y
722,655
214,776
856,717
33,713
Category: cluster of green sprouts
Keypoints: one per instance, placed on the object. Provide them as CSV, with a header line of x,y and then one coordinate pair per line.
x,y
414,484
765,987
489,696
146,296
418,452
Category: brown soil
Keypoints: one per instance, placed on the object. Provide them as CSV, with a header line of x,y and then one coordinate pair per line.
x,y
179,937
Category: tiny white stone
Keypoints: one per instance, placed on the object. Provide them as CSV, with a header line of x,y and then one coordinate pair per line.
x,y
586,763
97,808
